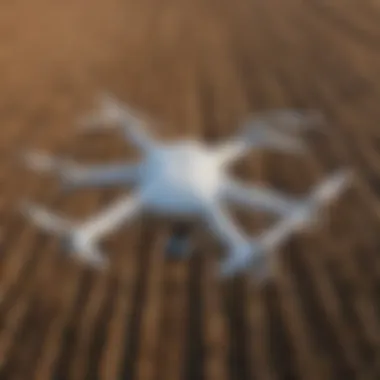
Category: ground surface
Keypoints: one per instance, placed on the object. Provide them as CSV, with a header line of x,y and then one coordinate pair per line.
x,y
198,67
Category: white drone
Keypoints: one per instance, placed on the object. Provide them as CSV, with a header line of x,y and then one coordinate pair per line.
x,y
185,180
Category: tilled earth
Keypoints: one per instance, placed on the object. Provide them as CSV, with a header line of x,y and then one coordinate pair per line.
x,y
198,67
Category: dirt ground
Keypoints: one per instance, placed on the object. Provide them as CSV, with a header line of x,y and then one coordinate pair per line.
x,y
198,67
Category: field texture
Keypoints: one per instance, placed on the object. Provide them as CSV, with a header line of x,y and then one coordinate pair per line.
x,y
198,67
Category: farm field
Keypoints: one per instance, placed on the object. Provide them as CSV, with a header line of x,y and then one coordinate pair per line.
x,y
198,67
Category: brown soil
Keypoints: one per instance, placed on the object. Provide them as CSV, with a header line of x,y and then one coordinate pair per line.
x,y
197,67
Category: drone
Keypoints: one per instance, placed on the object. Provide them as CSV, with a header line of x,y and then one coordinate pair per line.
x,y
185,180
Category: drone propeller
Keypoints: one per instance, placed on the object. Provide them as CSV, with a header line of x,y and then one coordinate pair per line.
x,y
72,241
254,254
43,163
108,113
278,129
287,120
267,137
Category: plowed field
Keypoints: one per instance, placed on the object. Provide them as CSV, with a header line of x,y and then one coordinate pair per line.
x,y
197,67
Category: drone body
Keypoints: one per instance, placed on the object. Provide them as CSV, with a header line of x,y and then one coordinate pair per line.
x,y
184,180
181,178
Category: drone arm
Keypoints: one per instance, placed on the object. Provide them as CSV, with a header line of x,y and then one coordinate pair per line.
x,y
305,215
108,220
232,150
261,132
223,227
80,239
121,117
258,137
134,131
76,176
257,198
